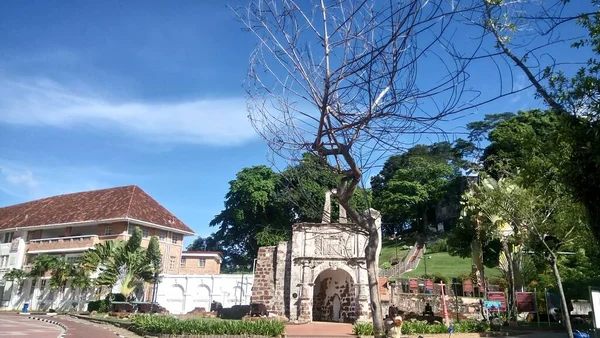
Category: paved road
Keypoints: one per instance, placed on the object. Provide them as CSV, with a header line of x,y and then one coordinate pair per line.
x,y
13,325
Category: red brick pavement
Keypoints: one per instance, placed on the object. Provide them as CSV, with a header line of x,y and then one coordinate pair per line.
x,y
21,326
83,329
319,329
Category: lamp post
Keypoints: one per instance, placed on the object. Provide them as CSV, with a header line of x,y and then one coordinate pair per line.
x,y
425,258
454,282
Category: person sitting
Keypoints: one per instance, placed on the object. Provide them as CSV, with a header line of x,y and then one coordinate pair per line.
x,y
393,311
428,310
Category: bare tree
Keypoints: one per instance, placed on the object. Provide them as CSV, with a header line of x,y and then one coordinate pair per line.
x,y
340,79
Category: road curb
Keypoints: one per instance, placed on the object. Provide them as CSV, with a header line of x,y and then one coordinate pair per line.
x,y
50,321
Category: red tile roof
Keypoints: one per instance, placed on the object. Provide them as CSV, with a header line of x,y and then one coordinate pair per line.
x,y
128,202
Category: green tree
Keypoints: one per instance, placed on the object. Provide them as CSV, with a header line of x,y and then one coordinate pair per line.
x,y
124,263
411,185
153,254
252,206
532,220
15,275
528,143
574,98
208,243
262,205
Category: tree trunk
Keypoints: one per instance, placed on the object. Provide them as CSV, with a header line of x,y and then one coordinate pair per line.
x,y
510,302
372,257
565,309
425,228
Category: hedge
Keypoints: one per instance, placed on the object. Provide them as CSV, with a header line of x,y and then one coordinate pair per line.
x,y
418,327
158,324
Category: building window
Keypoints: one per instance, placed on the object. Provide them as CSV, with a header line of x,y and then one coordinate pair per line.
x,y
162,235
107,230
202,262
172,262
182,264
20,287
175,238
145,233
3,261
43,285
130,229
8,237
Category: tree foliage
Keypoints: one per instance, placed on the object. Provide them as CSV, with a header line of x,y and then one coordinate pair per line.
x,y
261,206
412,184
123,263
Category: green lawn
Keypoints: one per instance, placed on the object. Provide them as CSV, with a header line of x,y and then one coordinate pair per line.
x,y
448,266
389,251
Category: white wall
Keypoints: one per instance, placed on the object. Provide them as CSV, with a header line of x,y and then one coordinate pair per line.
x,y
182,293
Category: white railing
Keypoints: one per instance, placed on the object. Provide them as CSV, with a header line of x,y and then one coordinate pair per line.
x,y
62,239
405,265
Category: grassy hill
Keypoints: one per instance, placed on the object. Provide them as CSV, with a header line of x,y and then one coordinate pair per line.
x,y
448,266
439,263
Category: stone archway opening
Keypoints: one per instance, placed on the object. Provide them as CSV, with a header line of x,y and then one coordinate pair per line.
x,y
334,297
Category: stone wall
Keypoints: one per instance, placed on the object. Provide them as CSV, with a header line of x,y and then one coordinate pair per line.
x,y
271,273
414,302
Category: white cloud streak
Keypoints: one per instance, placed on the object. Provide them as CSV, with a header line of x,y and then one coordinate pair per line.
x,y
42,102
26,181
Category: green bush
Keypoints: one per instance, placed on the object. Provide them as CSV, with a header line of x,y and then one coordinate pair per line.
x,y
420,327
100,306
362,329
386,265
204,326
116,297
439,245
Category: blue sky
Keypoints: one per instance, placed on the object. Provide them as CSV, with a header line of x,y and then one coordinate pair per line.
x,y
95,94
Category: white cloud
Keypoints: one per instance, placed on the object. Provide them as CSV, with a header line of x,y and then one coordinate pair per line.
x,y
21,179
45,102
25,181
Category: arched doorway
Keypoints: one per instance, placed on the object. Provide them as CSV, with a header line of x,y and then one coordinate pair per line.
x,y
333,297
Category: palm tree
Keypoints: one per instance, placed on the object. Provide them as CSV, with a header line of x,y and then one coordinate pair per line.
x,y
15,275
126,264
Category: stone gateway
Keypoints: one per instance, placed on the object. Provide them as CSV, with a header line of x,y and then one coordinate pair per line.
x,y
319,276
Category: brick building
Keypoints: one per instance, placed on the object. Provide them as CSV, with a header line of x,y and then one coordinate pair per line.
x,y
68,225
200,263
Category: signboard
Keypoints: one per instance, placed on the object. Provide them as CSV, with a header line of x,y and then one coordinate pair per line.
x,y
498,297
413,284
525,301
429,284
468,286
492,305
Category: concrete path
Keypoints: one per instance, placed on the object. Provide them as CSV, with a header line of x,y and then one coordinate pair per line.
x,y
20,326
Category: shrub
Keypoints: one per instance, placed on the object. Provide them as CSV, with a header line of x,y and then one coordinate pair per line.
x,y
204,326
468,326
420,327
386,265
100,306
116,297
439,245
362,329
